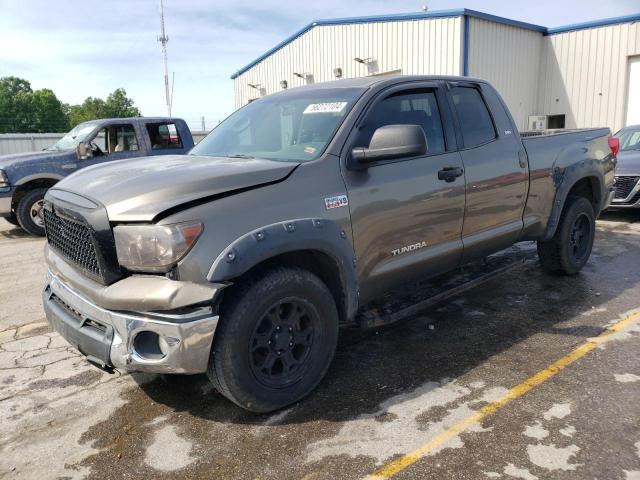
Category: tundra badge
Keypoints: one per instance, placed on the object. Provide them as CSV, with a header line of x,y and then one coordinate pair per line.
x,y
408,248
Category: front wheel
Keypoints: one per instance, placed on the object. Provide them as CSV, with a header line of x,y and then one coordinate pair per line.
x,y
276,338
30,211
569,249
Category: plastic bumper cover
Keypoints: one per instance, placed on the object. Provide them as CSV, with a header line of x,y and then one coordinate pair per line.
x,y
141,341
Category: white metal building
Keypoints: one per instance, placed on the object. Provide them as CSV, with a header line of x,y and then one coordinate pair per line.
x,y
583,75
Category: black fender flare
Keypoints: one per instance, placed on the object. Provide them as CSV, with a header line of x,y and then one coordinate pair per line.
x,y
307,234
565,179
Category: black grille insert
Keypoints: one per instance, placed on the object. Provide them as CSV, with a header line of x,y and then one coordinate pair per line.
x,y
624,185
72,240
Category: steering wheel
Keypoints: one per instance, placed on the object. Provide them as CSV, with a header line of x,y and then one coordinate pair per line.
x,y
96,148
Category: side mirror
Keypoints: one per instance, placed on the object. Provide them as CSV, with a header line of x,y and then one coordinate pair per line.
x,y
83,151
391,142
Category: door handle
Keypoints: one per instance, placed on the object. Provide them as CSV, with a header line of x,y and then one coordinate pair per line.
x,y
522,159
449,174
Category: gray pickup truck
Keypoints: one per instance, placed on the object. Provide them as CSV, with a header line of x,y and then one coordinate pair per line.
x,y
243,258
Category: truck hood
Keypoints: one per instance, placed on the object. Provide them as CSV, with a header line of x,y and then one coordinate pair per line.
x,y
17,160
628,163
141,189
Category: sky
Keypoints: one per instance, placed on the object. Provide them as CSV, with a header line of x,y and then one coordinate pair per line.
x,y
81,48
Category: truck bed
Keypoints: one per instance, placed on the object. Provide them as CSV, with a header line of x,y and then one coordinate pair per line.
x,y
555,156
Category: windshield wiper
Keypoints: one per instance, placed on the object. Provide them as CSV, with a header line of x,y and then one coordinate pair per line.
x,y
239,155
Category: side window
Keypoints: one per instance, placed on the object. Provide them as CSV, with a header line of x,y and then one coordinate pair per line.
x,y
416,107
99,142
114,138
124,139
475,120
164,135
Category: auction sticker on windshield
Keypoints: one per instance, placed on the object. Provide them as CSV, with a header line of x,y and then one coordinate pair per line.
x,y
329,107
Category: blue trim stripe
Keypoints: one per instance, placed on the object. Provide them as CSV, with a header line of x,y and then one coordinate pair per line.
x,y
595,23
460,12
465,43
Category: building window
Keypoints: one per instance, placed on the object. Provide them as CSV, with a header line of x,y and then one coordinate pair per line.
x,y
555,121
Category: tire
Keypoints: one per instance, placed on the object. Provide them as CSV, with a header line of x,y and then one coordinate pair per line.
x,y
245,365
25,212
569,249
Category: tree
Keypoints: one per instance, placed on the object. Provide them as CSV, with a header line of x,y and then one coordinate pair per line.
x,y
47,112
15,105
118,105
90,109
24,111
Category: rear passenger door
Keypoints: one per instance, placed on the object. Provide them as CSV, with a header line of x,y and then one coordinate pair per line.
x,y
495,167
407,223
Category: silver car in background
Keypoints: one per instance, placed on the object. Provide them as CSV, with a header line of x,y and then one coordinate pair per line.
x,y
628,172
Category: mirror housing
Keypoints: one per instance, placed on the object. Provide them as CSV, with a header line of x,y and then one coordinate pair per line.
x,y
392,142
83,151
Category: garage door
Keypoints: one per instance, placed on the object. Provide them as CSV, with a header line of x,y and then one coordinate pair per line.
x,y
633,98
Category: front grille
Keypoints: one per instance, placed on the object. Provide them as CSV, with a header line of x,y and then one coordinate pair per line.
x,y
624,185
72,240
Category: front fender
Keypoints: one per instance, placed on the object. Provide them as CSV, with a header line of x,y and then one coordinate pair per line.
x,y
307,234
38,176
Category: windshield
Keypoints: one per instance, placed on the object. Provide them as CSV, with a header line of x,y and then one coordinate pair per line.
x,y
74,137
296,126
629,139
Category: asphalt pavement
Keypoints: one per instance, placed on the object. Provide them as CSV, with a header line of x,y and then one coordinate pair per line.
x,y
525,376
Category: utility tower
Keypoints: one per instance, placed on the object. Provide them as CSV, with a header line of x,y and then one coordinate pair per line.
x,y
163,39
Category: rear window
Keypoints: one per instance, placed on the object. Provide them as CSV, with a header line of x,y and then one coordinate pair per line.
x,y
473,115
164,136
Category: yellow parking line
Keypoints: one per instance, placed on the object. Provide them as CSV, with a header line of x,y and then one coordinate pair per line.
x,y
396,466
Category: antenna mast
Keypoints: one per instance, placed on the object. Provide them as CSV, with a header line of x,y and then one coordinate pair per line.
x,y
164,39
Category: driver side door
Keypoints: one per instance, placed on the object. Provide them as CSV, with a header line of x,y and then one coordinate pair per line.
x,y
113,142
407,222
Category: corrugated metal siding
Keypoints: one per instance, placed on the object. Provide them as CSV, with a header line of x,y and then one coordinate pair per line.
x,y
508,57
583,74
430,46
27,142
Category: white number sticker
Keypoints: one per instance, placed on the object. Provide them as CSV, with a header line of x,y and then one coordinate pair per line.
x,y
331,107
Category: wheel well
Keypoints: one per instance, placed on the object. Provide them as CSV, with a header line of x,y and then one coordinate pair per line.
x,y
315,261
588,188
30,185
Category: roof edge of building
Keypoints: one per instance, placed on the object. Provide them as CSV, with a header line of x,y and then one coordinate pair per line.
x,y
634,17
459,12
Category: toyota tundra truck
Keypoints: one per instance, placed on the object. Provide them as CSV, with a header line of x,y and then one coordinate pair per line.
x,y
243,258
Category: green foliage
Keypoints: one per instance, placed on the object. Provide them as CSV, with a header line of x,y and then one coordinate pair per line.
x,y
118,105
23,110
47,112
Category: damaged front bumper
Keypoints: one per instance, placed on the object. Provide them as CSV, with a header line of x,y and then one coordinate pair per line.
x,y
173,341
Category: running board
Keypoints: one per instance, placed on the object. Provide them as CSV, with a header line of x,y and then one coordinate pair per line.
x,y
425,294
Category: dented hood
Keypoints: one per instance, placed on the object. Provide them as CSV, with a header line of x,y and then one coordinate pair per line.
x,y
141,189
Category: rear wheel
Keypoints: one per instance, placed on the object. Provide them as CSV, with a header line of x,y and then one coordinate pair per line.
x,y
30,211
569,249
275,340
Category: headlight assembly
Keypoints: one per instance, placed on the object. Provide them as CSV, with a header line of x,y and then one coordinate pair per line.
x,y
4,180
154,248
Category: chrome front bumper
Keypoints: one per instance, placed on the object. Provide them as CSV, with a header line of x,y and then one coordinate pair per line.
x,y
5,203
132,341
